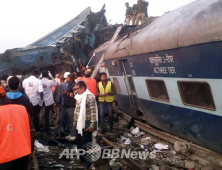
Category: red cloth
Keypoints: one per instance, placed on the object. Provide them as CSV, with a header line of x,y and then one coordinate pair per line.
x,y
15,141
90,84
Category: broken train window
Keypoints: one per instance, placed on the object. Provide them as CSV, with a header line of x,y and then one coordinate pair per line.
x,y
196,94
157,90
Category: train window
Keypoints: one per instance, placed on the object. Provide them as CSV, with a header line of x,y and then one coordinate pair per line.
x,y
157,90
131,83
197,94
116,83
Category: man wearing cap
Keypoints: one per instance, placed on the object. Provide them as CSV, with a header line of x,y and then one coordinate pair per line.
x,y
33,89
15,141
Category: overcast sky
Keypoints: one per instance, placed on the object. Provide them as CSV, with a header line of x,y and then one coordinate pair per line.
x,y
24,21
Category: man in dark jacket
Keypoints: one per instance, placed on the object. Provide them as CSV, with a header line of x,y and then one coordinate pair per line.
x,y
70,103
17,97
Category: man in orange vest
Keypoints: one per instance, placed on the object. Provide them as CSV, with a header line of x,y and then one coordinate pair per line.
x,y
15,141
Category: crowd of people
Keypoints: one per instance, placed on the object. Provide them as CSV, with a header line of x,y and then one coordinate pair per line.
x,y
78,101
137,13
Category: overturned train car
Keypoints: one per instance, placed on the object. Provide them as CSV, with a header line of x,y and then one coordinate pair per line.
x,y
45,53
170,71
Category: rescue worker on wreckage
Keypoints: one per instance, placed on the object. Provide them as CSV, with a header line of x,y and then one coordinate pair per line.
x,y
15,138
134,10
129,13
141,11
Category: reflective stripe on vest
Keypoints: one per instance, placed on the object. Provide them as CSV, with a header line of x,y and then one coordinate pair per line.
x,y
15,139
108,98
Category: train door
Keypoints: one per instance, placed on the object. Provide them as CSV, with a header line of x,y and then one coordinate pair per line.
x,y
131,88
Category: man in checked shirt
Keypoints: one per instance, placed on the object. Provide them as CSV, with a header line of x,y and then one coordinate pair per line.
x,y
85,117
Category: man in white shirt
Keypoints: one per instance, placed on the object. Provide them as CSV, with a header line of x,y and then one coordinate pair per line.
x,y
33,89
48,95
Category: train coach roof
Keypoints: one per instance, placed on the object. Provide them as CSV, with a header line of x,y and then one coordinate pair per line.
x,y
195,23
102,47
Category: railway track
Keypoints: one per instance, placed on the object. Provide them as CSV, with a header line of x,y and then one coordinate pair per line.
x,y
205,157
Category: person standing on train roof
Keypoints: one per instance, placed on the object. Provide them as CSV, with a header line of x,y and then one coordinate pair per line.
x,y
134,9
106,91
142,6
90,83
48,99
33,89
129,13
15,140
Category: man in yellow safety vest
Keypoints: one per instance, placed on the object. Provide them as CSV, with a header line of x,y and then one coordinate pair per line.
x,y
106,91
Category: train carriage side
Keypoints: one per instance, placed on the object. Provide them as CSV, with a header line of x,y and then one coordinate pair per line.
x,y
171,72
128,99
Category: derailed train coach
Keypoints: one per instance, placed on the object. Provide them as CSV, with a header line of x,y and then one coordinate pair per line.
x,y
46,52
170,71
15,60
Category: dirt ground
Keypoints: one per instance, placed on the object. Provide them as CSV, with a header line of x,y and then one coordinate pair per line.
x,y
123,138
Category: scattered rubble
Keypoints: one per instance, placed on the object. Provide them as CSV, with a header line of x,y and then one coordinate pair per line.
x,y
165,156
40,148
